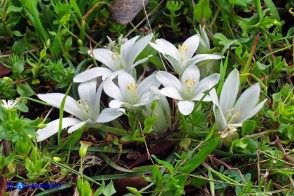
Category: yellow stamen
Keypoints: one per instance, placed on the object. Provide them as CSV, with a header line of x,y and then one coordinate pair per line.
x,y
132,87
83,104
189,83
183,48
232,115
114,56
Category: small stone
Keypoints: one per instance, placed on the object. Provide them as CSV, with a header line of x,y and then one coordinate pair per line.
x,y
124,11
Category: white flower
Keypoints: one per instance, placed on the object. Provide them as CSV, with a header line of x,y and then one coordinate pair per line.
x,y
162,111
182,57
204,44
9,104
124,59
229,112
86,110
206,67
188,89
129,92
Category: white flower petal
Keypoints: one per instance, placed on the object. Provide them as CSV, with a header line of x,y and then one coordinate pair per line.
x,y
190,80
220,121
111,89
90,96
213,96
205,98
176,64
52,128
247,101
168,80
253,111
171,92
230,91
204,36
116,104
165,106
125,82
109,114
76,126
191,73
145,98
139,62
126,52
235,124
192,45
186,107
87,91
96,108
207,83
165,47
188,62
55,99
103,55
91,74
138,47
147,83
209,56
162,111
201,57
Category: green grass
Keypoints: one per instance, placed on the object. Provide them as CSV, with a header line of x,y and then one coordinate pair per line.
x,y
44,44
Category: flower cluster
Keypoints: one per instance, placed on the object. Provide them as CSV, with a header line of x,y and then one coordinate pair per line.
x,y
120,83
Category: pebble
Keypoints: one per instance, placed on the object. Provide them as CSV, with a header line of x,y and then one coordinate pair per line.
x,y
124,11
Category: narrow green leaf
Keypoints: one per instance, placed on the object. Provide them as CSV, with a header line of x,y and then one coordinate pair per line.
x,y
211,183
224,177
270,4
200,157
164,163
53,190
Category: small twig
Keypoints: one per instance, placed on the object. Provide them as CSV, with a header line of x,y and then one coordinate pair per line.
x,y
228,167
259,134
267,173
92,9
146,15
154,10
285,154
258,165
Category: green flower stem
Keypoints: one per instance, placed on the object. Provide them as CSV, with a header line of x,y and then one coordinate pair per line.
x,y
112,130
61,115
72,171
247,65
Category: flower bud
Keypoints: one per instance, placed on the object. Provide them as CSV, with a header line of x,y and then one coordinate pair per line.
x,y
48,43
41,126
84,148
56,159
80,42
7,79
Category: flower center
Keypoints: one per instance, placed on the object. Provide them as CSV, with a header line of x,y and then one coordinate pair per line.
x,y
232,114
189,83
114,56
83,105
132,87
183,50
132,93
117,61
